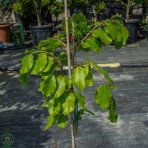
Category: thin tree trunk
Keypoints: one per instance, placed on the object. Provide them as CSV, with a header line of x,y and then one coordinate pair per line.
x,y
95,14
69,62
128,10
38,20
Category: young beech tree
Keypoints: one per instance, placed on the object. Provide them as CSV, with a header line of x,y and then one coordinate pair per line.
x,y
62,93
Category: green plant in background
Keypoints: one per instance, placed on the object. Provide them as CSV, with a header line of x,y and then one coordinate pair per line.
x,y
130,4
77,5
27,7
5,11
18,36
56,8
98,7
144,24
63,94
139,2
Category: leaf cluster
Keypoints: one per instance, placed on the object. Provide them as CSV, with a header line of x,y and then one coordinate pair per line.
x,y
49,58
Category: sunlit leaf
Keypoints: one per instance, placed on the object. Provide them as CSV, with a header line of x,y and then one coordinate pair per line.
x,y
61,86
89,77
69,104
49,44
78,77
102,35
103,96
50,86
51,121
40,64
93,43
50,61
103,73
68,82
27,63
112,30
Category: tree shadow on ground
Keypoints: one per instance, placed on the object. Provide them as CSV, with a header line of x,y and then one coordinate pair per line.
x,y
20,113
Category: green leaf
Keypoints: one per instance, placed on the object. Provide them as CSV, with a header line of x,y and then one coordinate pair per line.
x,y
63,121
69,24
112,29
44,105
125,35
49,45
78,77
68,82
41,86
89,77
103,96
92,43
53,110
118,45
79,19
27,63
85,48
24,78
63,58
40,64
102,35
50,86
51,69
51,106
80,25
103,73
61,86
51,121
50,61
69,104
112,111
118,32
54,106
80,99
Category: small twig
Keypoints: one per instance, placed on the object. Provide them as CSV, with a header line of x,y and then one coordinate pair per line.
x,y
73,42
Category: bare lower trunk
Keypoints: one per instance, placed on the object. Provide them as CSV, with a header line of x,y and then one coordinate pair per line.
x,y
38,20
95,14
128,10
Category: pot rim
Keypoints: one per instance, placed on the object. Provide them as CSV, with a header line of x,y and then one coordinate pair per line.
x,y
5,24
43,26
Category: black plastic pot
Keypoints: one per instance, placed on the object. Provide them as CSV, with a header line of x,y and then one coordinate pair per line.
x,y
137,13
116,8
132,26
41,33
